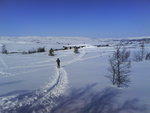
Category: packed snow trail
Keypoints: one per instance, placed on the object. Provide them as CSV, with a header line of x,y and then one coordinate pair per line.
x,y
44,63
75,59
44,97
36,99
42,100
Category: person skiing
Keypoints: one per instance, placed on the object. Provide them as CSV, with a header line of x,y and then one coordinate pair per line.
x,y
58,62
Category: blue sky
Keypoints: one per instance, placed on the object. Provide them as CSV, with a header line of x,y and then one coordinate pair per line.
x,y
85,18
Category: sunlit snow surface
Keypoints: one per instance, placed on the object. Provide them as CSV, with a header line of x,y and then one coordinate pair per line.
x,y
33,80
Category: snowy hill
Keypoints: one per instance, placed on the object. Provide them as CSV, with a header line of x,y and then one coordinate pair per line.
x,y
34,79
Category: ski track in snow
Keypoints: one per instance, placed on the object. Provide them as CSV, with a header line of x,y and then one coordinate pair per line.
x,y
5,74
75,59
31,66
42,97
92,57
42,100
40,65
48,60
37,64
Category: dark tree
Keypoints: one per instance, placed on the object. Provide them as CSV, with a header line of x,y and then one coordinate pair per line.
x,y
76,50
142,51
147,56
41,49
119,67
4,50
51,52
139,55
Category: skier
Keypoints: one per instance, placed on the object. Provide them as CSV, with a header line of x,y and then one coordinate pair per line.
x,y
58,63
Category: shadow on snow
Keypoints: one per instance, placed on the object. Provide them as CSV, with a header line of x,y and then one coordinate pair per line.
x,y
84,100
